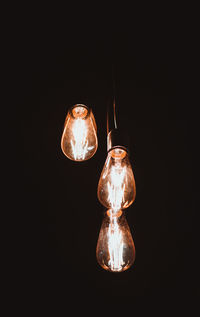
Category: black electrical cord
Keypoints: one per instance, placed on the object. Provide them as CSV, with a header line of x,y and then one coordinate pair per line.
x,y
114,96
114,111
111,112
116,135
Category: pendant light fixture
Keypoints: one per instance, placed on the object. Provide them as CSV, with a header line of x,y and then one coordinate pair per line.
x,y
115,250
116,188
79,139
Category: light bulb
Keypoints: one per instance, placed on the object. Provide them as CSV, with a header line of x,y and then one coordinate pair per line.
x,y
79,138
115,250
116,188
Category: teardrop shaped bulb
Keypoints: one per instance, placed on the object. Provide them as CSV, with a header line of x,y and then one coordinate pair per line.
x,y
116,188
115,250
79,138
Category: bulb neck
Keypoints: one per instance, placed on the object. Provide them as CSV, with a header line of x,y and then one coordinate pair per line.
x,y
80,111
112,214
117,139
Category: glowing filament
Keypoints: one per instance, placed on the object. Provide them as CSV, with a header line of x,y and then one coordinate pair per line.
x,y
115,247
80,143
116,187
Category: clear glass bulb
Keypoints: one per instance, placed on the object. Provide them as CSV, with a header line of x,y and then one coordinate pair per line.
x,y
116,188
79,138
115,250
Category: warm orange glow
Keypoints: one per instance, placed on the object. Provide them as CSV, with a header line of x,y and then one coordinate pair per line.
x,y
115,247
79,139
116,188
79,142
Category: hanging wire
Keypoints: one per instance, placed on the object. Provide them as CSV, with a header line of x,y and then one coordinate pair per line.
x,y
113,112
114,96
107,119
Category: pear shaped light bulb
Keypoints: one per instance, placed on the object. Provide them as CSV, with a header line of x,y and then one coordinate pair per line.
x,y
116,188
115,250
79,138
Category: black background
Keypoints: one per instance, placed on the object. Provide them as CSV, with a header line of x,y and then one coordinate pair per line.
x,y
60,213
